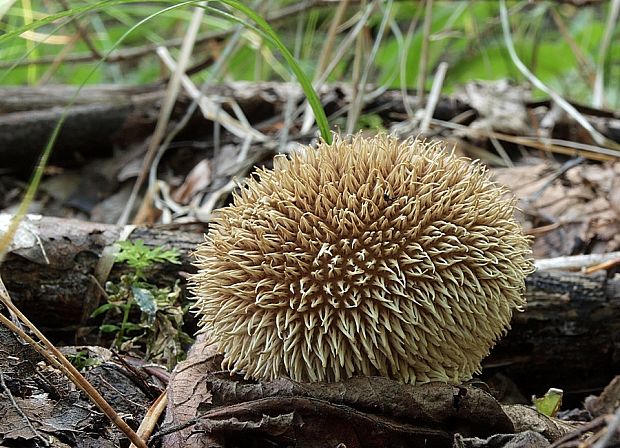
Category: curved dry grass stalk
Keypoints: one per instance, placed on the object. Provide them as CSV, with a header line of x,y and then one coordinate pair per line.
x,y
599,80
172,93
559,100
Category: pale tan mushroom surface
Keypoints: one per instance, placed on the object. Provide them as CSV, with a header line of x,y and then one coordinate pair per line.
x,y
363,257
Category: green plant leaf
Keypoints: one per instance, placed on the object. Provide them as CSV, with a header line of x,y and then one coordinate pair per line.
x,y
102,309
140,257
109,328
145,301
549,405
131,326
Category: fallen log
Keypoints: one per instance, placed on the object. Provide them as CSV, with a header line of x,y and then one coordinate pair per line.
x,y
568,337
98,118
50,269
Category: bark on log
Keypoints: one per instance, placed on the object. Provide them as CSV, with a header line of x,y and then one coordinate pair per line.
x,y
568,337
99,116
50,274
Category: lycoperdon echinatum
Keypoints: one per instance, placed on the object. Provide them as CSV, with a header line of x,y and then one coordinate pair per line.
x,y
366,256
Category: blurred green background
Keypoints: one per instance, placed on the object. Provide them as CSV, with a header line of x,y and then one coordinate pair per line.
x,y
560,42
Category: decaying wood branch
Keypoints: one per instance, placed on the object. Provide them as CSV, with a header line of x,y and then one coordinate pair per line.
x,y
107,116
104,116
568,318
50,269
567,337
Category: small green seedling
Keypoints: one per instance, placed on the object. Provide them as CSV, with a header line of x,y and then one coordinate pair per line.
x,y
549,405
140,258
371,121
158,327
81,360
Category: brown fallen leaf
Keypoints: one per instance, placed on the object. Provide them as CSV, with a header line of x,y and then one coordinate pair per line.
x,y
210,408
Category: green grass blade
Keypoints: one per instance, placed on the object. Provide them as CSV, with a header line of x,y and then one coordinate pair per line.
x,y
306,85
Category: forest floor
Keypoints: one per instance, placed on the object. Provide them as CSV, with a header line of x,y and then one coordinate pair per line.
x,y
58,271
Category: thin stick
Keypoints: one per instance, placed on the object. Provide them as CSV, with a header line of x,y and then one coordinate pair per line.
x,y
152,416
58,360
60,59
501,151
603,266
612,428
7,391
172,93
209,108
217,70
575,261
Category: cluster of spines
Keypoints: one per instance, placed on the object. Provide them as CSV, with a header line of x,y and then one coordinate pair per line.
x,y
363,257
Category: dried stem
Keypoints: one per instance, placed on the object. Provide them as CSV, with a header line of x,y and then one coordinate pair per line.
x,y
561,102
166,110
58,360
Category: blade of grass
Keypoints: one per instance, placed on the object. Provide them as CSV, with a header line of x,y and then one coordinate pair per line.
x,y
565,105
599,81
433,97
306,85
272,37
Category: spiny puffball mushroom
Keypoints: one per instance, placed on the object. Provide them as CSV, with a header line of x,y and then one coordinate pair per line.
x,y
367,256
